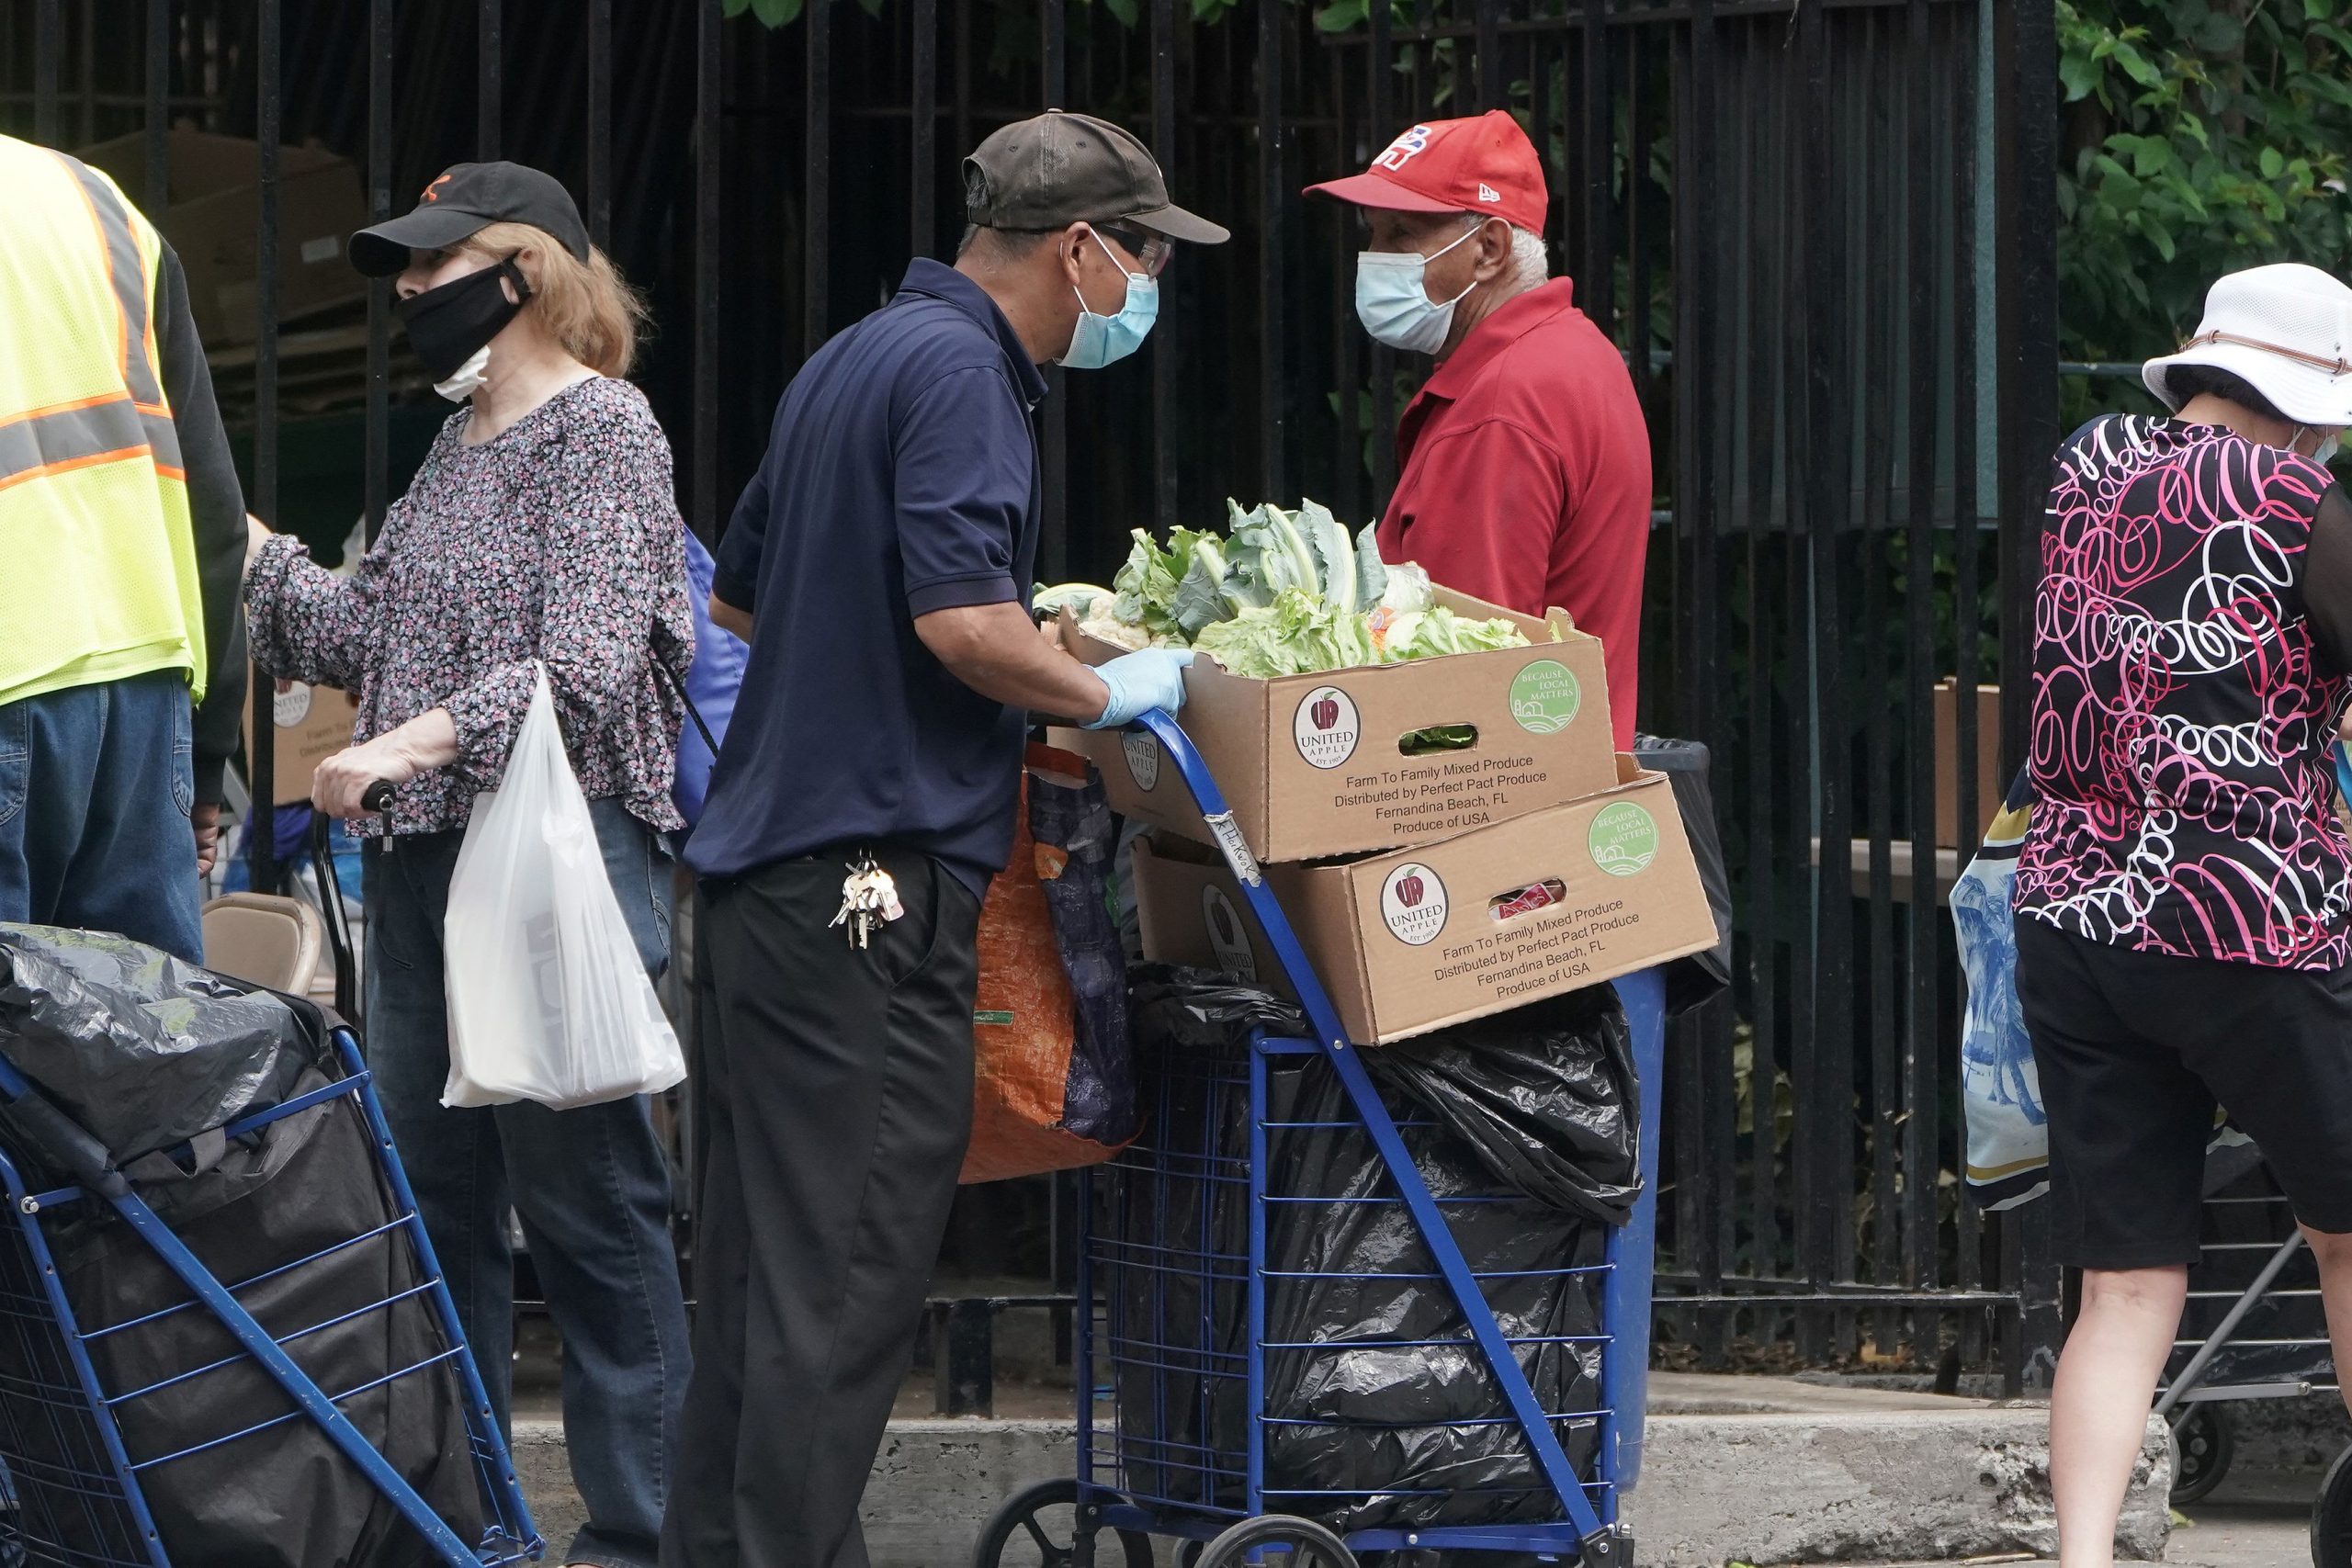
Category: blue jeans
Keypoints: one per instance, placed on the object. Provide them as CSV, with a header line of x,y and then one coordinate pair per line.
x,y
591,1186
96,786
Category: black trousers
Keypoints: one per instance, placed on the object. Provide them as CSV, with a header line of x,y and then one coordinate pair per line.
x,y
835,1094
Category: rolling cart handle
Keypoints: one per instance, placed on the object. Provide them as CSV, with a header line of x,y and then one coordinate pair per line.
x,y
1600,1539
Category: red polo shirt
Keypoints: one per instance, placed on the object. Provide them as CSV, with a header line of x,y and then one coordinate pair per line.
x,y
1524,479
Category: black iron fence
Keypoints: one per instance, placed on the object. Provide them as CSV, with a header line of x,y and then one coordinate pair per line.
x,y
1822,231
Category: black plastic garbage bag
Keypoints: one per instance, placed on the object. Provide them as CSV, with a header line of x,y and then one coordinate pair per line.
x,y
1533,1114
137,1048
1685,764
252,1210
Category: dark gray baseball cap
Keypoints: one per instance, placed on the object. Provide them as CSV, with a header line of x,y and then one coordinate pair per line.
x,y
1062,168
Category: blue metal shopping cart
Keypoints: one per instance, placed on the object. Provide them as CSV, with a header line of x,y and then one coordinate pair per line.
x,y
1187,1332
72,1439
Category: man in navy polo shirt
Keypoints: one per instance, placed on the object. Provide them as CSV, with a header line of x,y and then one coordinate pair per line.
x,y
879,565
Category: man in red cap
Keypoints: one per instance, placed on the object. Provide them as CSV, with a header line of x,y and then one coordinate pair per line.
x,y
1524,463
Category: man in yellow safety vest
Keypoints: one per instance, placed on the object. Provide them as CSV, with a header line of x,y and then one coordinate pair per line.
x,y
122,535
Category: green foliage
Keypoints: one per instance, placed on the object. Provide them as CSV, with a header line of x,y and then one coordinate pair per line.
x,y
2200,137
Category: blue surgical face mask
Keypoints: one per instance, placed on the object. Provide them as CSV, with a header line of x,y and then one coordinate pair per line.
x,y
2325,451
1106,340
1393,299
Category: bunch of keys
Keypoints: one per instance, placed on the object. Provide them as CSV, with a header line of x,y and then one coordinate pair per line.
x,y
869,899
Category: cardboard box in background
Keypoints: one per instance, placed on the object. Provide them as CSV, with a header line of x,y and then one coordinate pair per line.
x,y
1990,785
1491,920
313,722
212,216
1311,765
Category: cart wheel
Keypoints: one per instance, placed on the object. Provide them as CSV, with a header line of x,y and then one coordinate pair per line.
x,y
2332,1516
1281,1541
1025,1531
2203,1448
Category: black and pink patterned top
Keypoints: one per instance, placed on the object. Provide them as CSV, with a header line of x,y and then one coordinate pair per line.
x,y
557,540
2185,699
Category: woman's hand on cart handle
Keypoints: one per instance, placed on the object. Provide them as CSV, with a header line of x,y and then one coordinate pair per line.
x,y
378,796
346,782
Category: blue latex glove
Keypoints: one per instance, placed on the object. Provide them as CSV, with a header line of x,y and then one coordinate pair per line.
x,y
1140,683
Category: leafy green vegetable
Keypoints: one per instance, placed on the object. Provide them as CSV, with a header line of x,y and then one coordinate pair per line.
x,y
1296,634
1439,738
1146,587
1335,555
1372,573
1272,555
1286,594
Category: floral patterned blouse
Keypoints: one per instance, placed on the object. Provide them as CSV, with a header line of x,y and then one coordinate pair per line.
x,y
557,540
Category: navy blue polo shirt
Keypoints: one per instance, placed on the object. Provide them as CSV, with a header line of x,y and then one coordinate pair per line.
x,y
901,478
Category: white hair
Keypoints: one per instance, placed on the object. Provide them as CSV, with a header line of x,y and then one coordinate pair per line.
x,y
1530,262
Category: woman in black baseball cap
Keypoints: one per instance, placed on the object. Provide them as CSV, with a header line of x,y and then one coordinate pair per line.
x,y
540,534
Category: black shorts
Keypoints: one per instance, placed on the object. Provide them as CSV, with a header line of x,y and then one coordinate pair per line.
x,y
2135,1049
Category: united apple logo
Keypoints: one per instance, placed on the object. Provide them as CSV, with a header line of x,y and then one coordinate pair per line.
x,y
1325,712
1327,727
1413,904
1408,890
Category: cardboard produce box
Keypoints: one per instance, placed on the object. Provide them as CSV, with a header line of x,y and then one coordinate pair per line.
x,y
1990,785
211,216
1491,920
313,723
1312,765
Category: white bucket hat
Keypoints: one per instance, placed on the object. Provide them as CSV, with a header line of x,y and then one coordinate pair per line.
x,y
2285,330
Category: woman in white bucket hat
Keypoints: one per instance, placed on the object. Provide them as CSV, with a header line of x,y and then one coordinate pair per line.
x,y
2184,896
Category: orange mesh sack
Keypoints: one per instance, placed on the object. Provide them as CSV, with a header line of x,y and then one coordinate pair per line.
x,y
1053,1084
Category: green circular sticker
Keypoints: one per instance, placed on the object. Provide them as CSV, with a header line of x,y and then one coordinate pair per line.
x,y
1545,697
1623,839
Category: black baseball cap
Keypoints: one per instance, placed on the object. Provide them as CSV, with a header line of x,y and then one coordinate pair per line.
x,y
1059,169
461,203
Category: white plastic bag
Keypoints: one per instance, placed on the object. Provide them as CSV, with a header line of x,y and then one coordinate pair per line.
x,y
547,998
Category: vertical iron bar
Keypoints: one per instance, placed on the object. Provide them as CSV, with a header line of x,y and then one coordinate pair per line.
x,y
1053,541
1599,161
922,114
1166,496
46,53
1922,1037
816,206
1381,113
490,67
1767,332
1273,283
87,131
1640,132
2026,360
1347,337
261,833
1968,652
709,144
599,123
376,478
1491,88
159,105
1874,364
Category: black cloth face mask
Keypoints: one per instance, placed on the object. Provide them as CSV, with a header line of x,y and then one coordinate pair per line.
x,y
449,324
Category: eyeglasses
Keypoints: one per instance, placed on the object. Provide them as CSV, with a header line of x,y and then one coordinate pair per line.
x,y
1151,250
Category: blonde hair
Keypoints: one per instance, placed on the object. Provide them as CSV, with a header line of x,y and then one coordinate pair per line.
x,y
587,306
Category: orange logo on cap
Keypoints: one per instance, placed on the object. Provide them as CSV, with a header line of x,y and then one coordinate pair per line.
x,y
433,191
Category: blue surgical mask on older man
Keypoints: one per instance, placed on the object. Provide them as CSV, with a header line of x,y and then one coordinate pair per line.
x,y
1393,299
1106,340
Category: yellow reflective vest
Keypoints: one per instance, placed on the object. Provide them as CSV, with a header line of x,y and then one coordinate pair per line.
x,y
98,575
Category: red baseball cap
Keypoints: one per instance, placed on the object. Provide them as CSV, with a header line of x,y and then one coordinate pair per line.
x,y
1486,164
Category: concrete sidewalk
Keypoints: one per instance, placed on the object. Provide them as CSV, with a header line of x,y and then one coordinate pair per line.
x,y
1739,1469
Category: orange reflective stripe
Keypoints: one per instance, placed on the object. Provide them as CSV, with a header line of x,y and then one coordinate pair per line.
x,y
66,465
127,273
62,439
91,401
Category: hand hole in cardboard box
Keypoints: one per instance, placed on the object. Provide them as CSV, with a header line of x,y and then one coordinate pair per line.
x,y
1525,900
1437,738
